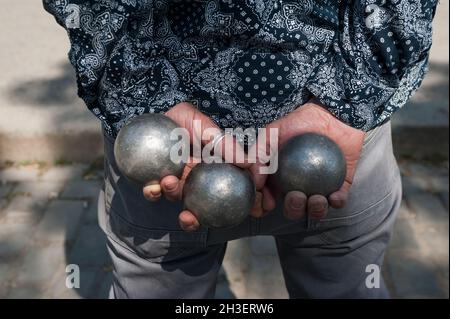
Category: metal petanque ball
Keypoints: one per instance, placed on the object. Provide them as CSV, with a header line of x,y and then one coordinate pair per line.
x,y
142,149
219,194
310,163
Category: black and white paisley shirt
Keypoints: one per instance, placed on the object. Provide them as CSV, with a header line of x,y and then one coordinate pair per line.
x,y
246,63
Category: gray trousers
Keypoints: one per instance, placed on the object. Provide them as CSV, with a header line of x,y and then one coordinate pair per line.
x,y
154,258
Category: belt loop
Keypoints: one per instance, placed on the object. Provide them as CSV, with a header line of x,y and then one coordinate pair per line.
x,y
258,226
253,226
312,223
204,237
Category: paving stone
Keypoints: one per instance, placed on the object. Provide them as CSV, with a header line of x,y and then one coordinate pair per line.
x,y
6,272
81,189
385,272
422,170
66,294
19,174
404,212
412,276
91,214
3,204
237,265
265,279
13,240
61,222
263,246
432,227
403,236
436,246
414,185
25,292
416,262
439,184
253,276
45,190
23,210
59,290
443,279
223,287
5,189
41,264
64,173
90,248
429,210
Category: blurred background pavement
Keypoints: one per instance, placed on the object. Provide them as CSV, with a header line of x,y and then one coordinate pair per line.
x,y
51,171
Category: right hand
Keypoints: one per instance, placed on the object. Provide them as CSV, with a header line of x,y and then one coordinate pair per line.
x,y
171,186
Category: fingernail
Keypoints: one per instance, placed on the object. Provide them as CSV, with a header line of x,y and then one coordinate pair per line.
x,y
317,208
171,186
155,193
340,202
296,203
154,189
336,197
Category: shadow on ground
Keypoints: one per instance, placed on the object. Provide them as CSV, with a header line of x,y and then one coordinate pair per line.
x,y
71,132
54,92
424,119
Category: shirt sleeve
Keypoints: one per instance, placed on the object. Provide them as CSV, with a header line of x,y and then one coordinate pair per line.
x,y
94,28
378,59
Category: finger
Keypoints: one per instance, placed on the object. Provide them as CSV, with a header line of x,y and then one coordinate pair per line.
x,y
231,151
257,210
258,178
317,207
188,222
196,123
191,119
295,205
268,201
261,155
152,192
339,199
171,188
187,169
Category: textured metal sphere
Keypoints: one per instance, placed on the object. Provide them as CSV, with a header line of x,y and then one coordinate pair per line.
x,y
142,149
220,195
310,163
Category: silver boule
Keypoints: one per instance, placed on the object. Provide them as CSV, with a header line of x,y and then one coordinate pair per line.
x,y
310,163
219,194
142,149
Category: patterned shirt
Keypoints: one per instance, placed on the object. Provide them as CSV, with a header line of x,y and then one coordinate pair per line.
x,y
246,63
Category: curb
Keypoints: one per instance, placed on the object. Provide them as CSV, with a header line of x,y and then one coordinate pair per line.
x,y
82,147
430,144
413,143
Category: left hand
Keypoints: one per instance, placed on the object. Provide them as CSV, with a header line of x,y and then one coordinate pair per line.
x,y
311,117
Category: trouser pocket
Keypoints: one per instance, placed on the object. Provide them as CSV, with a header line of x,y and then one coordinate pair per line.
x,y
150,229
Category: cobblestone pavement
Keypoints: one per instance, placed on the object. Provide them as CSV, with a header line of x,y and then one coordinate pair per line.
x,y
48,220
